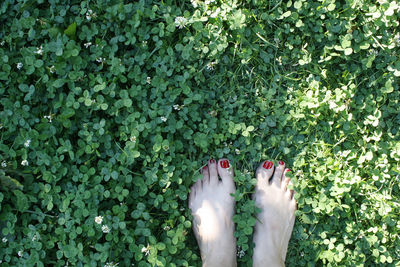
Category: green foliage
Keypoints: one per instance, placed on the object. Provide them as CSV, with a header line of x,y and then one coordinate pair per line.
x,y
110,107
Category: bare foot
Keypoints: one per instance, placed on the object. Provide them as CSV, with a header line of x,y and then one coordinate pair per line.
x,y
212,209
276,220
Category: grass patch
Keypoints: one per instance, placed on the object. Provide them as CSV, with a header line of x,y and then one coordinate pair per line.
x,y
110,108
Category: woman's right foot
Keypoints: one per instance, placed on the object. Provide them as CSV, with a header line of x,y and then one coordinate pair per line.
x,y
275,222
212,208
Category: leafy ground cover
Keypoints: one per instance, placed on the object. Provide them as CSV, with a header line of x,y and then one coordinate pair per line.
x,y
110,108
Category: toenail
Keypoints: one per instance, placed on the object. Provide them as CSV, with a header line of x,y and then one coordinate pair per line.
x,y
204,168
224,164
268,165
281,162
287,170
212,161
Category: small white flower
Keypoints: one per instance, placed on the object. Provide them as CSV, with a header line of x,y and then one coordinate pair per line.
x,y
241,253
237,151
20,253
24,162
210,65
148,80
86,45
52,69
2,43
166,228
180,22
20,65
90,14
100,59
27,143
146,250
144,43
105,229
164,119
49,117
176,107
4,240
4,164
34,238
39,50
194,3
133,139
111,264
98,219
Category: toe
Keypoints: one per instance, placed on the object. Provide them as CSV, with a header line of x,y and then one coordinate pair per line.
x,y
192,195
198,186
225,171
206,174
212,168
264,172
285,180
278,174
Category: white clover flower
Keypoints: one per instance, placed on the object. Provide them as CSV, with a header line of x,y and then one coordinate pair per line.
x,y
4,240
176,107
146,250
4,164
180,22
241,253
20,253
148,80
210,65
98,219
24,162
167,228
144,43
86,45
397,38
52,69
20,65
34,238
27,143
2,43
133,139
194,3
90,14
164,119
49,117
39,50
105,229
111,264
237,151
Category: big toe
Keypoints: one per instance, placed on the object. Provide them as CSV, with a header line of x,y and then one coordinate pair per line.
x,y
264,173
225,171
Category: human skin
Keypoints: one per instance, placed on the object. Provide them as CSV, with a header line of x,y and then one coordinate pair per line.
x,y
212,206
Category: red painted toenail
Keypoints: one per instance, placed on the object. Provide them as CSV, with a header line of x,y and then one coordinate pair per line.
x,y
287,170
224,164
204,168
212,161
281,162
268,165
